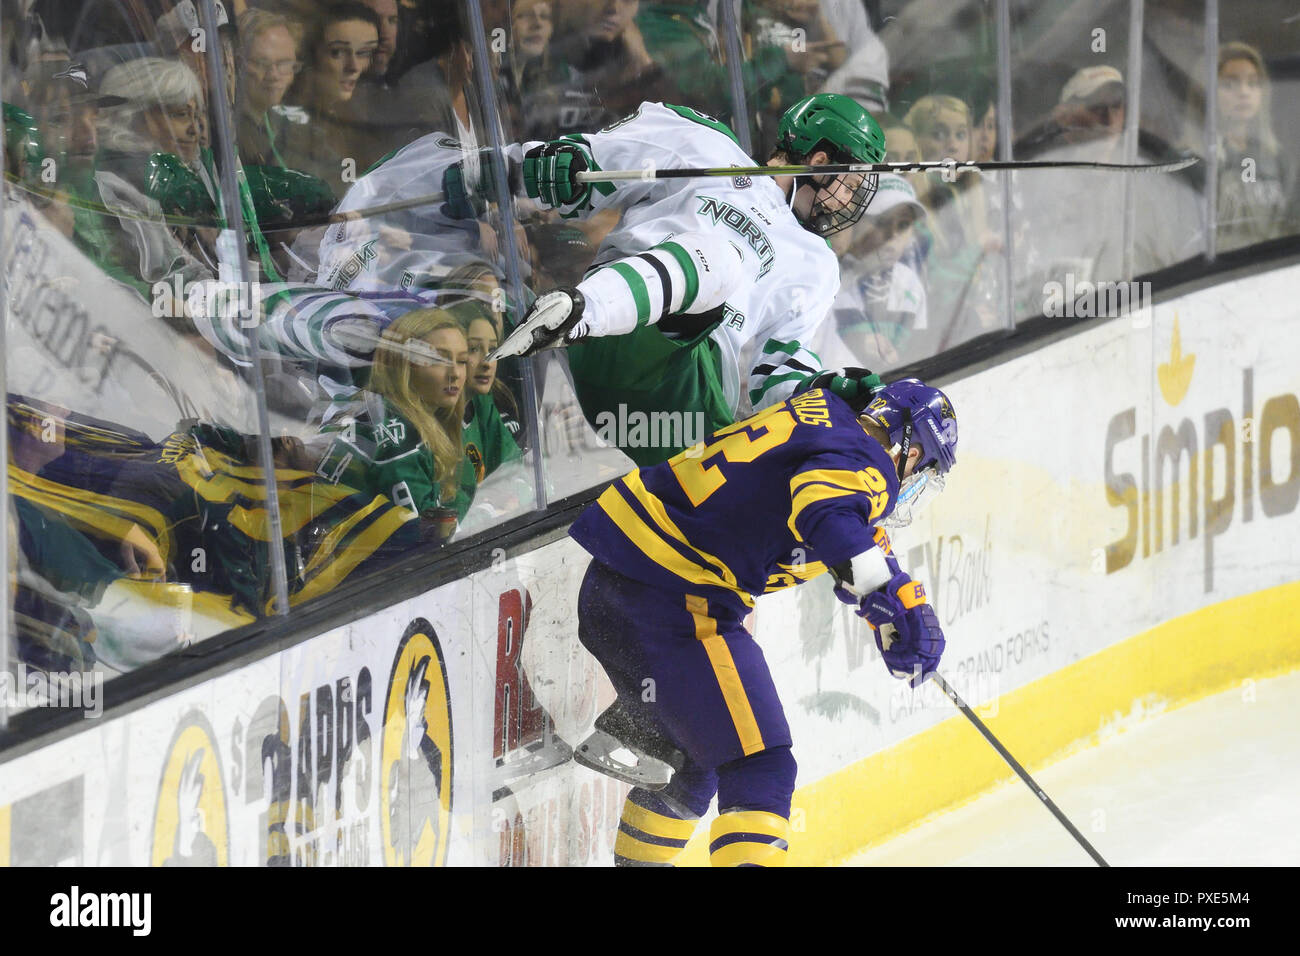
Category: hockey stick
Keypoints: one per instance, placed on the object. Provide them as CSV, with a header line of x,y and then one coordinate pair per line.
x,y
1005,755
950,167
615,175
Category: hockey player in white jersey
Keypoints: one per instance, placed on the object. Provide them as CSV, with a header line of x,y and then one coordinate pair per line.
x,y
404,248
697,269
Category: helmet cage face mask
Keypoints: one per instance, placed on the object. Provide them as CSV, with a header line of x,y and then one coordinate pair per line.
x,y
830,213
914,495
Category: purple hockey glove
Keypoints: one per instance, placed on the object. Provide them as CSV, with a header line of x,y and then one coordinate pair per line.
x,y
906,627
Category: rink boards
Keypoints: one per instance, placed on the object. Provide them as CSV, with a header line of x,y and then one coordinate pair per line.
x,y
1118,537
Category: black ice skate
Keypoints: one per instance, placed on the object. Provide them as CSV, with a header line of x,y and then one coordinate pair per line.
x,y
654,759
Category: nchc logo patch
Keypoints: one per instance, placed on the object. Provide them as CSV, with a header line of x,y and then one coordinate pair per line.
x,y
415,786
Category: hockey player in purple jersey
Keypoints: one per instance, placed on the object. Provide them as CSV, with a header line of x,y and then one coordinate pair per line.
x,y
681,549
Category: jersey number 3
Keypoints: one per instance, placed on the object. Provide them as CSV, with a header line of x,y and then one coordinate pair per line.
x,y
699,470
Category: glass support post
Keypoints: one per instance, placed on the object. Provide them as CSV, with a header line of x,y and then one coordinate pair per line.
x,y
1004,152
1211,160
6,613
483,73
739,106
236,236
1132,124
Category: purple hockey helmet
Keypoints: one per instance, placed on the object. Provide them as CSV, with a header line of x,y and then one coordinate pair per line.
x,y
916,415
913,413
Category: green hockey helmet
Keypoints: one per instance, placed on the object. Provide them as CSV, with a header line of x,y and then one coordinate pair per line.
x,y
283,197
24,145
832,122
839,126
177,188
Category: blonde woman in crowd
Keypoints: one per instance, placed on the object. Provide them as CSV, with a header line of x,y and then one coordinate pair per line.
x,y
159,112
1257,181
532,24
492,422
401,436
962,298
942,127
149,165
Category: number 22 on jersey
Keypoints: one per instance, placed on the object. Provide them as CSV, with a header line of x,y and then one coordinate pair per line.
x,y
699,471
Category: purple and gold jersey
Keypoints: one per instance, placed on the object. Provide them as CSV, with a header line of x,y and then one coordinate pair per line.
x,y
759,506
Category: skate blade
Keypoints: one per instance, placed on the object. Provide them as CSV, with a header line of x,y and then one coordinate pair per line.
x,y
595,753
551,317
517,343
540,342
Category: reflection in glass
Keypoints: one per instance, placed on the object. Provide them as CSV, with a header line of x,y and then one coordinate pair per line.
x,y
138,512
1257,195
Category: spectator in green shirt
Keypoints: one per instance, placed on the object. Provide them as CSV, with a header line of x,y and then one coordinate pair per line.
x,y
401,436
491,413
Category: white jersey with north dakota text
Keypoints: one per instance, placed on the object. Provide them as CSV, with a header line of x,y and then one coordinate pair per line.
x,y
786,277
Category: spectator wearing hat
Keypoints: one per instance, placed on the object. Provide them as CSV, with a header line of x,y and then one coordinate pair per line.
x,y
65,109
61,97
1264,204
1092,109
1089,114
881,306
1075,223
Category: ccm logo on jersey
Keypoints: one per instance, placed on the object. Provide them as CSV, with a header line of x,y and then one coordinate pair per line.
x,y
729,215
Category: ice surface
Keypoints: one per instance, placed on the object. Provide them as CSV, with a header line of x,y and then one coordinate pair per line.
x,y
1213,783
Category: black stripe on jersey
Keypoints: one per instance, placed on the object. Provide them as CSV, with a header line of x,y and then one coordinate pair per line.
x,y
664,282
650,838
685,551
788,363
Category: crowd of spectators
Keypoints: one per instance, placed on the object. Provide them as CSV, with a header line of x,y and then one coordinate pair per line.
x,y
389,426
